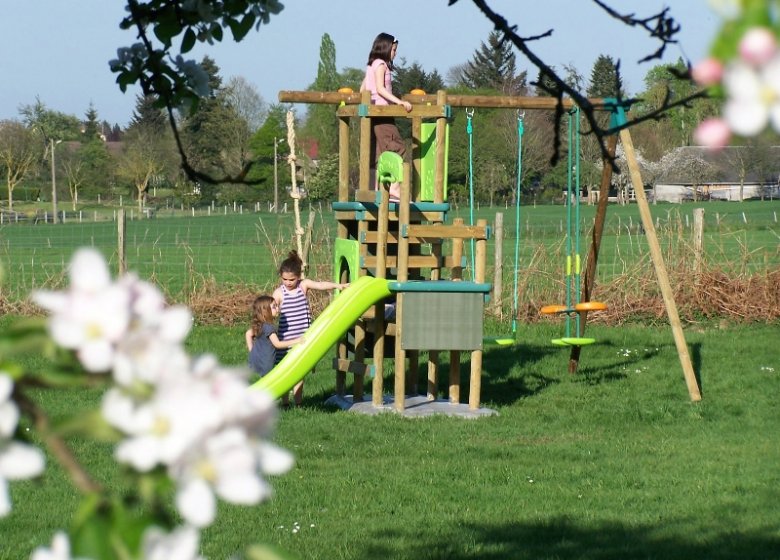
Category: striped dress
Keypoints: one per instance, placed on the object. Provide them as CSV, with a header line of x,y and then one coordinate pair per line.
x,y
294,317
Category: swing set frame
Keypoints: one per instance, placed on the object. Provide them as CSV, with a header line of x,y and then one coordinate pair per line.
x,y
434,106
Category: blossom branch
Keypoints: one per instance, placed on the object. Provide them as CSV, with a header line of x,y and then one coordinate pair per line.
x,y
81,479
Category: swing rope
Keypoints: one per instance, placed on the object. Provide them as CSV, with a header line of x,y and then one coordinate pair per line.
x,y
515,302
470,132
515,298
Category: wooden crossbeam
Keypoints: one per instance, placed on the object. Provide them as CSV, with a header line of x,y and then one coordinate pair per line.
x,y
447,232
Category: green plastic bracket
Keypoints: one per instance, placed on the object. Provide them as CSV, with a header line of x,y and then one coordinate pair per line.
x,y
617,111
362,110
390,168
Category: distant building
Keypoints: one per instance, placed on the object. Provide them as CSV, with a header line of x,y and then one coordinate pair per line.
x,y
734,173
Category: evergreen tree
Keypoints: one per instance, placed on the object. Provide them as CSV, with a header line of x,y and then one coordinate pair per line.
x,y
148,115
544,84
605,79
494,66
408,78
91,125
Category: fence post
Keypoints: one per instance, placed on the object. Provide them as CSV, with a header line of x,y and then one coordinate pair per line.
x,y
121,230
698,239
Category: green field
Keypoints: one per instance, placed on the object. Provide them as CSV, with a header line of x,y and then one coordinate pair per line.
x,y
612,463
180,251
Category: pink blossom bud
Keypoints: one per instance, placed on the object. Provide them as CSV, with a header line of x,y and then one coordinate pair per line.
x,y
758,46
713,134
707,72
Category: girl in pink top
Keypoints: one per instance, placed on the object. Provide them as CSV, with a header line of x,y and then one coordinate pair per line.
x,y
385,136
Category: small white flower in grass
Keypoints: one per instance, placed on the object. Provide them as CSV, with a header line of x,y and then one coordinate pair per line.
x,y
60,549
9,413
225,465
180,544
18,461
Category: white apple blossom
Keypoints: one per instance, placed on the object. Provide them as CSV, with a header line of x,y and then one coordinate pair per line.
x,y
92,316
144,357
712,133
727,9
753,97
180,544
9,413
757,46
166,426
60,549
224,465
18,461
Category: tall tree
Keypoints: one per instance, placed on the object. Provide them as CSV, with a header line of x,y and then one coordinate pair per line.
x,y
20,149
667,83
494,66
605,79
267,142
148,115
207,131
321,122
91,125
408,78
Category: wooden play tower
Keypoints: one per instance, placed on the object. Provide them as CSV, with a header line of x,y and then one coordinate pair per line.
x,y
435,309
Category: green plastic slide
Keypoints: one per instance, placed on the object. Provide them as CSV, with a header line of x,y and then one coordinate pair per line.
x,y
323,333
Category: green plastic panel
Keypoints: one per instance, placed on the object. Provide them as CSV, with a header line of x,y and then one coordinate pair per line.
x,y
428,160
442,321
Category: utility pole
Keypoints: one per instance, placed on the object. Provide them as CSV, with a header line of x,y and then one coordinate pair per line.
x,y
53,182
276,174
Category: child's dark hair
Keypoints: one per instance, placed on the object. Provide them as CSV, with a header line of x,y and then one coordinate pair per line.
x,y
381,48
261,313
293,263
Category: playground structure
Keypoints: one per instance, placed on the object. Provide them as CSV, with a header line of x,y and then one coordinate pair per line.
x,y
399,247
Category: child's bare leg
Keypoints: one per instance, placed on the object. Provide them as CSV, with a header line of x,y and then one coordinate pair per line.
x,y
298,393
395,190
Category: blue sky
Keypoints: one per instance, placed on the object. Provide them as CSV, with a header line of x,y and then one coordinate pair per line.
x,y
59,51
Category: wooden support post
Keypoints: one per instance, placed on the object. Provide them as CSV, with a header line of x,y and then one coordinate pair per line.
x,y
343,164
379,309
476,355
441,137
589,278
402,274
454,376
366,157
660,267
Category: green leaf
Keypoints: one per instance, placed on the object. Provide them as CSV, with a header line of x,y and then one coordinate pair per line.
x,y
188,41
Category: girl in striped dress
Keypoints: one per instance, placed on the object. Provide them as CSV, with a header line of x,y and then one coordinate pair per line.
x,y
294,310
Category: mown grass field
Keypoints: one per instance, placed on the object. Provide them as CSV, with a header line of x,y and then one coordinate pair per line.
x,y
179,252
612,463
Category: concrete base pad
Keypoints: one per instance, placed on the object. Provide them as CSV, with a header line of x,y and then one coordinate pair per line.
x,y
414,406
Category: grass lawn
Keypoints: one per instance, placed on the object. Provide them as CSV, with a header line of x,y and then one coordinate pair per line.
x,y
614,462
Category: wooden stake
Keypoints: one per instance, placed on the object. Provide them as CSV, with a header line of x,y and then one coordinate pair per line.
x,y
660,267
